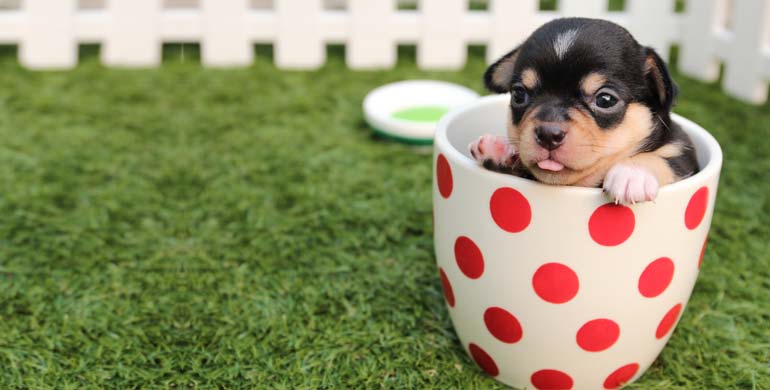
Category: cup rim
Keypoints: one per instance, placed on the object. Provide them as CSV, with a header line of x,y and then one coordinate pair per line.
x,y
443,145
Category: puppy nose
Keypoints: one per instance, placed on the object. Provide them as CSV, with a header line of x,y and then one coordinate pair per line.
x,y
550,136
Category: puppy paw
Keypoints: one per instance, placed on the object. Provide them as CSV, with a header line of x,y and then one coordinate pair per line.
x,y
493,151
629,184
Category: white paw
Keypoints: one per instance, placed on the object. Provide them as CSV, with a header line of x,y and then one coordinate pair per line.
x,y
629,184
493,149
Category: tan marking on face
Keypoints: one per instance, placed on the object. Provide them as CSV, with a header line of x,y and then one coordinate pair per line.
x,y
635,127
591,83
514,132
530,78
588,151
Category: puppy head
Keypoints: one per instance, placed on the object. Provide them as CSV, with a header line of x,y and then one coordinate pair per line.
x,y
584,94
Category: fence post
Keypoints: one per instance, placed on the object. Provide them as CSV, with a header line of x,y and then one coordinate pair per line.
x,y
370,43
225,42
512,21
298,44
132,35
441,44
744,76
48,41
697,57
652,22
583,8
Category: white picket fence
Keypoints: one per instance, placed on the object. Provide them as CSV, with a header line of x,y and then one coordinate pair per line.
x,y
131,32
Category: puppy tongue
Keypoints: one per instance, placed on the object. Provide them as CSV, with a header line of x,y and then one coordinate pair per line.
x,y
550,165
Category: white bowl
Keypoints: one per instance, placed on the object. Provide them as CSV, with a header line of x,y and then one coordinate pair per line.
x,y
554,287
381,104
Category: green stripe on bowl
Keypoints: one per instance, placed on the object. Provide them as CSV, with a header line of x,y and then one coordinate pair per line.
x,y
421,114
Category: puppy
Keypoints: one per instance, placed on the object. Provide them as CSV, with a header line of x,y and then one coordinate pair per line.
x,y
589,107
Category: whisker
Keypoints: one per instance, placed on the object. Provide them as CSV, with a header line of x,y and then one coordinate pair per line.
x,y
662,122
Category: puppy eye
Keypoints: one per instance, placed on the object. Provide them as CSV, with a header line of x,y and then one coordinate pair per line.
x,y
606,100
519,96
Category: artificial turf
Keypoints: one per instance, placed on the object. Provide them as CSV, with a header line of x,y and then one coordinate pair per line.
x,y
194,228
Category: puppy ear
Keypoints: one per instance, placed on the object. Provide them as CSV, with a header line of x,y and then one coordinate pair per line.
x,y
499,75
662,87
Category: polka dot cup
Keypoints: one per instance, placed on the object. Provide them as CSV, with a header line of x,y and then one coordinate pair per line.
x,y
553,287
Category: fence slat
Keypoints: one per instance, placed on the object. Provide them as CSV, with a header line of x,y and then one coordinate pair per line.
x,y
131,32
697,56
298,44
133,39
49,39
180,25
743,73
766,66
652,22
225,41
512,22
370,44
583,8
441,44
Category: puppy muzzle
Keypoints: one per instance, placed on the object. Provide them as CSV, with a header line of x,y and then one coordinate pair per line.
x,y
550,135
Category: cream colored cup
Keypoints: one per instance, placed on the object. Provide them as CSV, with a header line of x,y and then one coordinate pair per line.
x,y
554,287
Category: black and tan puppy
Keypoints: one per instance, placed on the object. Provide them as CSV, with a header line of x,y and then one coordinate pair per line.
x,y
589,107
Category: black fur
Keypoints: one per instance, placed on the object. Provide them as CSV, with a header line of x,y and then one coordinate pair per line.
x,y
553,113
634,74
516,169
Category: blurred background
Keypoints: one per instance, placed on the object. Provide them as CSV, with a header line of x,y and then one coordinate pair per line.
x,y
190,196
132,33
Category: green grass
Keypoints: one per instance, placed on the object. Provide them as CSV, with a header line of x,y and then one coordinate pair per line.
x,y
195,228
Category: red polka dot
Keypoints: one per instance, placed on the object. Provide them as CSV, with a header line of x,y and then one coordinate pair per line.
x,y
555,282
468,257
598,335
510,210
443,176
696,208
668,321
483,359
611,224
656,277
551,380
503,325
621,376
702,252
449,295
